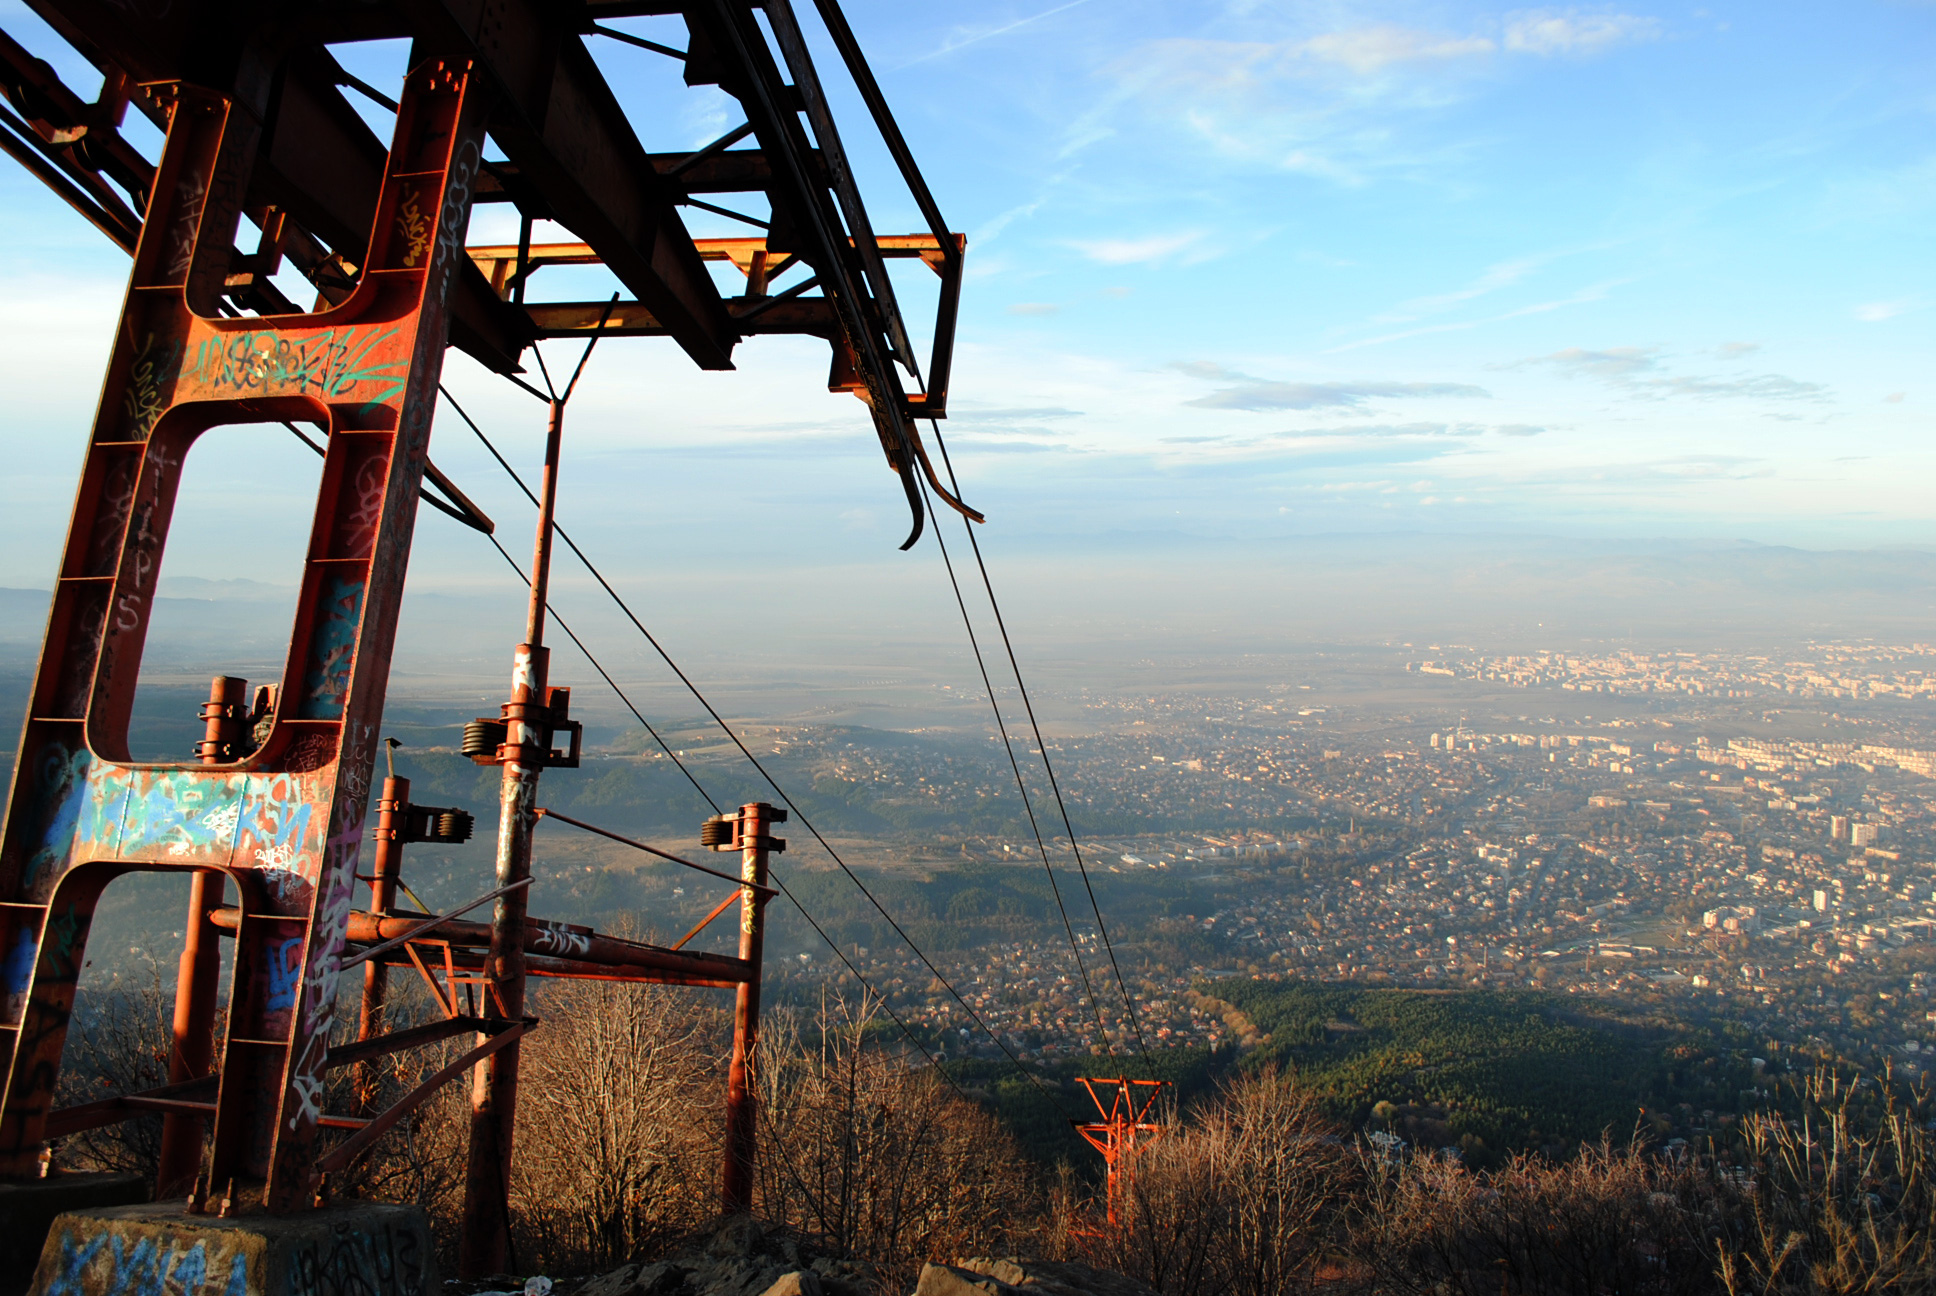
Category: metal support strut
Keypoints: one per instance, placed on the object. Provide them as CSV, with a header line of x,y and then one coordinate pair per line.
x,y
747,833
529,719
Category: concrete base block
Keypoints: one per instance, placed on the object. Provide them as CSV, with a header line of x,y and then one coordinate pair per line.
x,y
353,1249
28,1206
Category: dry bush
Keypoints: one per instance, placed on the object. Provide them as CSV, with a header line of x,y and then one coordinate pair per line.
x,y
1841,1197
870,1158
620,1099
1606,1220
420,1161
1242,1198
118,1041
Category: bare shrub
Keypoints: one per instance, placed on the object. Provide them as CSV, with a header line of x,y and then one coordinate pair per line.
x,y
1241,1198
118,1041
420,1161
870,1158
1841,1197
1607,1220
620,1095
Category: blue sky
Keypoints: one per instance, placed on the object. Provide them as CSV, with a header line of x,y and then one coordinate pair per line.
x,y
1253,270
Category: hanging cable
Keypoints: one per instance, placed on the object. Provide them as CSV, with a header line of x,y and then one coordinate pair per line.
x,y
1129,1007
812,922
1028,804
606,676
754,761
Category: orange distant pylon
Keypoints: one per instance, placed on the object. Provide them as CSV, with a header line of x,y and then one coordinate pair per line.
x,y
1125,1124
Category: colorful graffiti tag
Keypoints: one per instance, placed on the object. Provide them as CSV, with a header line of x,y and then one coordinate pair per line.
x,y
328,363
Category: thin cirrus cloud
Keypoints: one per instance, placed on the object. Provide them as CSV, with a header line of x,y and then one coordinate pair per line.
x,y
1263,395
1365,50
1135,251
1638,371
1264,102
1550,32
1876,312
1540,32
1260,394
1383,430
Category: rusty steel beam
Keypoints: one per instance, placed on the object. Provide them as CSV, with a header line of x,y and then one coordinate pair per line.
x,y
557,119
810,316
489,1045
543,965
541,937
319,161
754,842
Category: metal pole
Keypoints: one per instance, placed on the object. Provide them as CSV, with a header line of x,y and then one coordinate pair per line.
x,y
225,720
484,1247
388,866
742,1109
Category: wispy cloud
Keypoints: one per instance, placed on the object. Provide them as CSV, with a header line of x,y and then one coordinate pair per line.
x,y
1330,103
962,37
1365,50
1033,308
1259,394
1614,363
1500,275
1025,413
1591,293
1876,312
1378,431
1132,251
1639,371
1550,31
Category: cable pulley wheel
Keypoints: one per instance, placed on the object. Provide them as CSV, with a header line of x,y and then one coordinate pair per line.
x,y
483,737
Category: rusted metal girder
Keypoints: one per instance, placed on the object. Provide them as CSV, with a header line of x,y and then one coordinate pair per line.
x,y
284,821
256,126
559,122
552,940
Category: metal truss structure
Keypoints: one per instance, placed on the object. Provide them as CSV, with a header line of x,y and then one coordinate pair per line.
x,y
1126,1126
252,106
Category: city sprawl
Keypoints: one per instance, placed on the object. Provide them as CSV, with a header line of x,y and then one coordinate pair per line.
x,y
1685,846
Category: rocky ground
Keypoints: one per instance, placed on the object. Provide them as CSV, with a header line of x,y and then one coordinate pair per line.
x,y
742,1259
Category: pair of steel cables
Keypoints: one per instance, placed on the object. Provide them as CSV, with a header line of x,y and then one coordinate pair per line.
x,y
807,823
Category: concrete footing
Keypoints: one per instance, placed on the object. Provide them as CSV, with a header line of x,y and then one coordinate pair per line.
x,y
28,1206
354,1249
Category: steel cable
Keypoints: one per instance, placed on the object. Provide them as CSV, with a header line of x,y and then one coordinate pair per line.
x,y
812,922
1027,803
1075,848
755,762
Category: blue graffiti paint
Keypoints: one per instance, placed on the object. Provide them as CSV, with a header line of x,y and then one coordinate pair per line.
x,y
179,813
326,677
60,790
276,815
328,362
285,975
73,1260
238,1276
134,1273
17,969
191,1271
